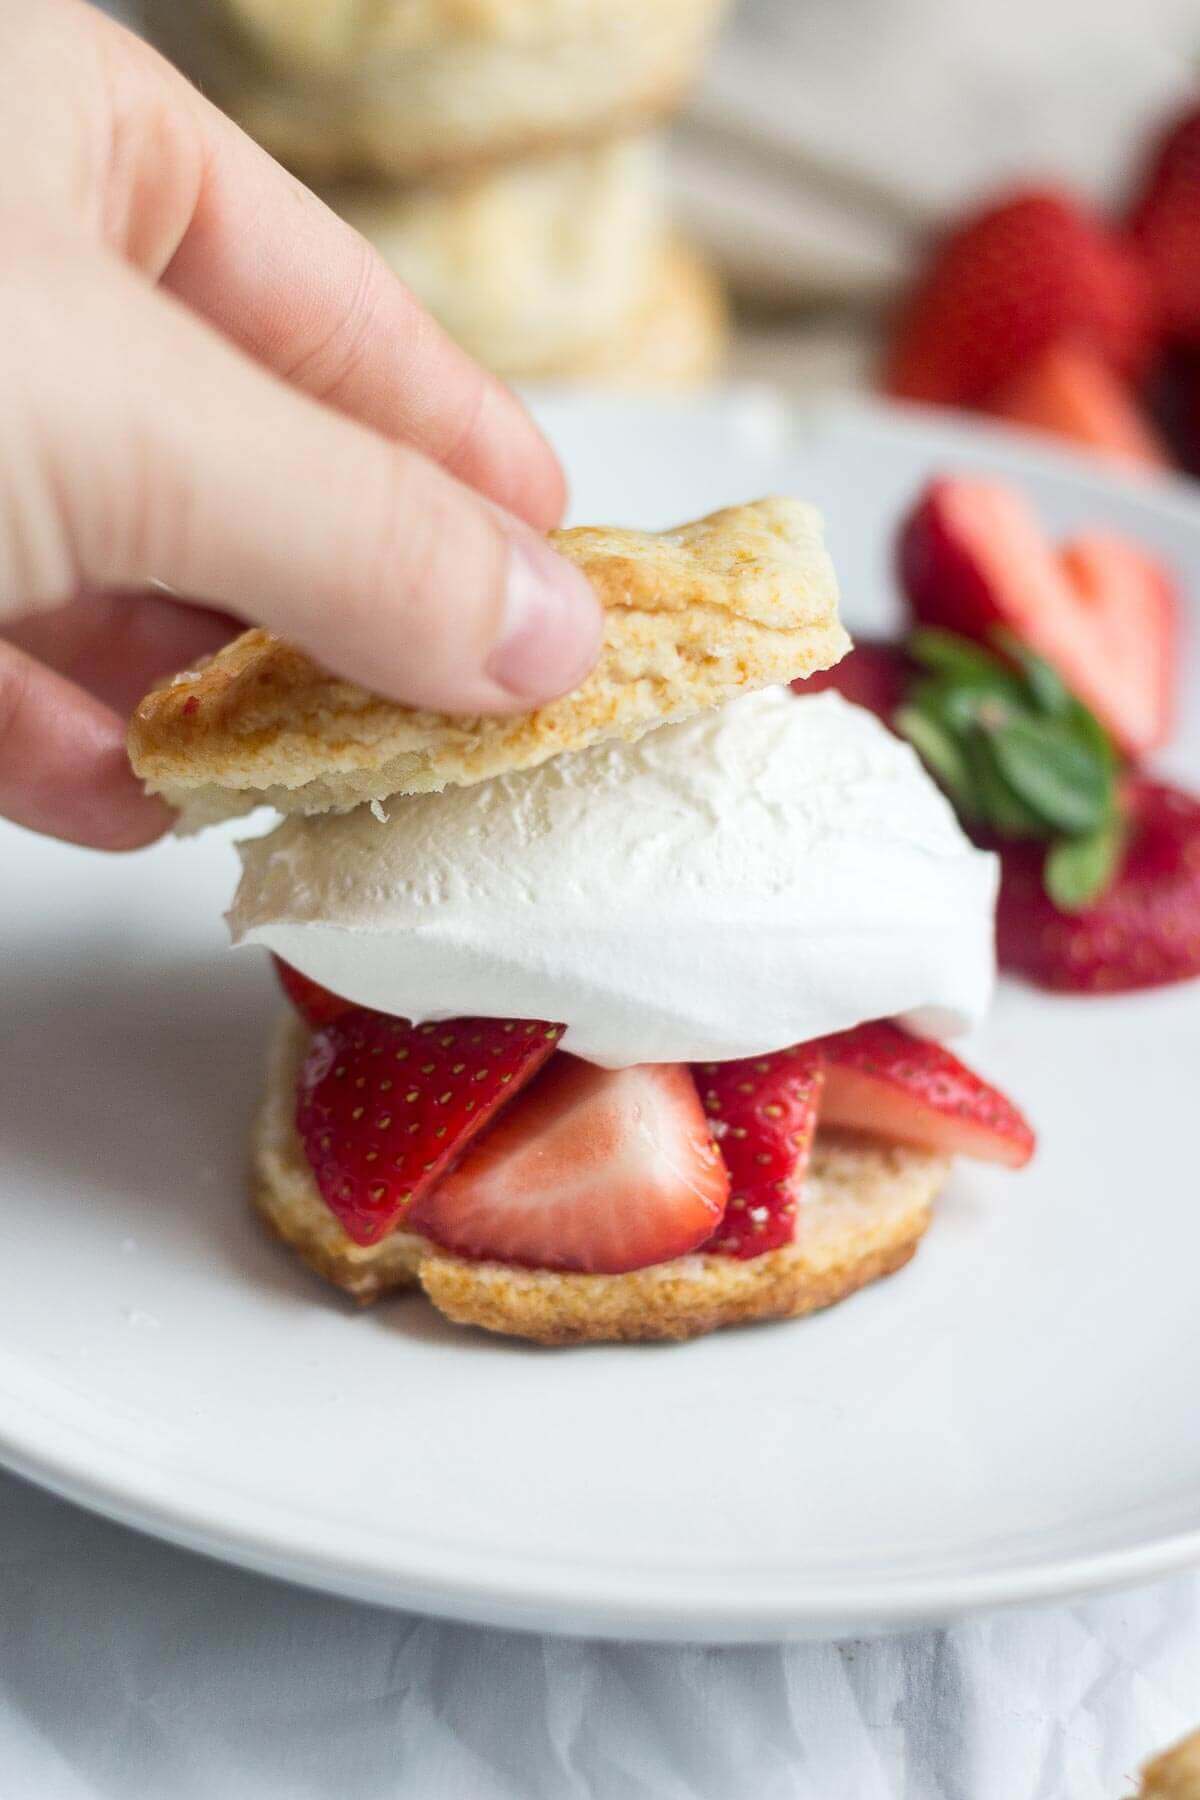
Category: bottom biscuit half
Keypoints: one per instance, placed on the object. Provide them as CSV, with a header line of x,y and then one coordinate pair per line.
x,y
866,1207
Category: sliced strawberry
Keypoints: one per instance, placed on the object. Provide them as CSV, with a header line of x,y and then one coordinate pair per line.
x,y
1028,271
874,674
1144,931
879,1079
972,557
1070,392
763,1112
1165,223
602,1170
315,1004
384,1108
1130,598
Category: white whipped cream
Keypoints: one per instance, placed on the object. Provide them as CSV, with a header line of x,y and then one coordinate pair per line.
x,y
756,876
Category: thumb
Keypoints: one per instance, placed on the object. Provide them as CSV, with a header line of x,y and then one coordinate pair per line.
x,y
138,445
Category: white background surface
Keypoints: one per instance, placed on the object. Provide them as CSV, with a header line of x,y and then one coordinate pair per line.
x,y
129,1671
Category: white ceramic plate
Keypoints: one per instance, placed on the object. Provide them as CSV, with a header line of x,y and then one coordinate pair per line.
x,y
1014,1416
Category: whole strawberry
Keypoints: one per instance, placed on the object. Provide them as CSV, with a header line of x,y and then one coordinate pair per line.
x,y
385,1108
1026,272
1165,224
1145,928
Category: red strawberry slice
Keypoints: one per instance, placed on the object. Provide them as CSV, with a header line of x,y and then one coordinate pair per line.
x,y
1069,392
1028,271
1145,929
763,1112
972,557
875,674
601,1170
1130,598
1165,223
384,1108
881,1080
315,1004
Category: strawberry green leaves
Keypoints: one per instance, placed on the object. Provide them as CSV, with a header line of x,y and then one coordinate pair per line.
x,y
1057,777
1018,755
1078,870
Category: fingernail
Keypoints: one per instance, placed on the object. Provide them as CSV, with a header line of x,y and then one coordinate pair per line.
x,y
552,625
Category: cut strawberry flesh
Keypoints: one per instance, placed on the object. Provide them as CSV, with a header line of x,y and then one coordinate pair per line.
x,y
882,1081
1144,930
1131,599
475,1134
315,1004
384,1108
973,557
599,1170
1071,393
763,1112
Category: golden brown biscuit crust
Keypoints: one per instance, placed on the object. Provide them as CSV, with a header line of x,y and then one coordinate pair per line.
x,y
866,1208
693,616
1175,1775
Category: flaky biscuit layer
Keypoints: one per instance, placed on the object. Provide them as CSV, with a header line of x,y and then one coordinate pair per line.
x,y
736,601
865,1209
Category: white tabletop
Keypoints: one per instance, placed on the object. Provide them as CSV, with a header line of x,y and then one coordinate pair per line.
x,y
131,1671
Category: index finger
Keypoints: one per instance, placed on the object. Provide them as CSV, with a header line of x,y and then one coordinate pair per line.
x,y
274,269
278,272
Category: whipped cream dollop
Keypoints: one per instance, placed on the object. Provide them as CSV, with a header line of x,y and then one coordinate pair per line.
x,y
758,875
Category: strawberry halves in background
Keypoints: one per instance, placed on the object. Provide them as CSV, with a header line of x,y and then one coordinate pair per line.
x,y
1039,311
972,558
1038,677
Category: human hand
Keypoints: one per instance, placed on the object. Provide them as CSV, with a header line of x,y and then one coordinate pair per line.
x,y
215,388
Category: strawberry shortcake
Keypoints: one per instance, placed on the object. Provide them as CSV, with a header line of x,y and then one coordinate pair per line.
x,y
623,1019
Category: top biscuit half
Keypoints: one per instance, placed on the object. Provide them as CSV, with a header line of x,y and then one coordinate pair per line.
x,y
739,600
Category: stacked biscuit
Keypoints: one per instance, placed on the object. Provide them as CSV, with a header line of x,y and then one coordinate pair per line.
x,y
496,152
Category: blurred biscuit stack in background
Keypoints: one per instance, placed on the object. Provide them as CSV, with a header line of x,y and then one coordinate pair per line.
x,y
499,155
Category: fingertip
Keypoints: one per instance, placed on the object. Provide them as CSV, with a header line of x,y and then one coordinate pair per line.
x,y
547,493
508,457
551,626
108,808
123,829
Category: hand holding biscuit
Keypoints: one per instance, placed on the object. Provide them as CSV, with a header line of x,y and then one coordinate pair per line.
x,y
215,388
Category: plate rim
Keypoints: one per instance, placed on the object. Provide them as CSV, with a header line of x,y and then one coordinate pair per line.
x,y
523,1593
466,1586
